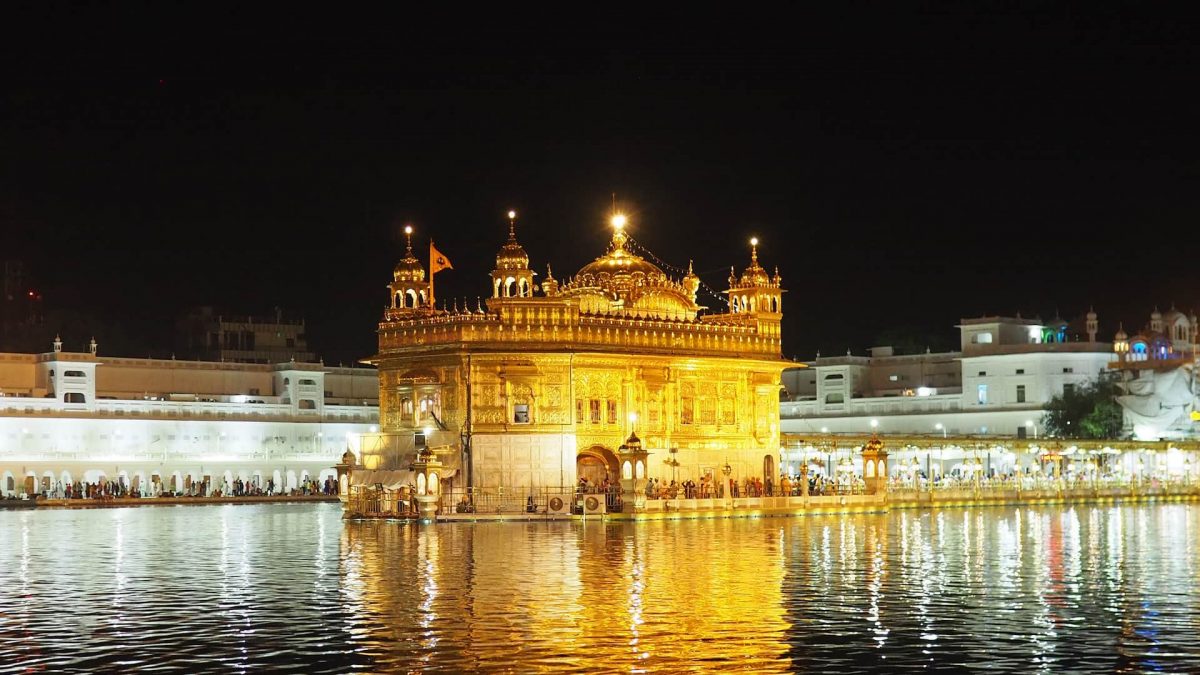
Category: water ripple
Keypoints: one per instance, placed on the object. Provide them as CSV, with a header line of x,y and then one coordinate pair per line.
x,y
291,588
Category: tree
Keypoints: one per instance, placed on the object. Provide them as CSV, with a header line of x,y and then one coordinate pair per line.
x,y
1086,411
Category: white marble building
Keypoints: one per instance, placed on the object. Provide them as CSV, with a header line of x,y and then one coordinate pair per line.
x,y
997,383
162,424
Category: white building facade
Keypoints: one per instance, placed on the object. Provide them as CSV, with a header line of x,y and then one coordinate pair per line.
x,y
160,425
997,384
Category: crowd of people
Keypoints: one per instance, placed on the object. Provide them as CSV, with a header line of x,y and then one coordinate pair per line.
x,y
708,488
119,489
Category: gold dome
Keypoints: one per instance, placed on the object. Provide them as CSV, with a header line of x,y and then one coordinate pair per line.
x,y
621,281
512,256
409,269
755,275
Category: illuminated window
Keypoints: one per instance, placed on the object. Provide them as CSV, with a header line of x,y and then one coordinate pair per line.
x,y
982,338
406,406
983,394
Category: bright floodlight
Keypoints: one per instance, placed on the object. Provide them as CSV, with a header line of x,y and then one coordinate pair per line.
x,y
938,426
512,215
754,241
618,221
408,229
874,423
1028,423
633,417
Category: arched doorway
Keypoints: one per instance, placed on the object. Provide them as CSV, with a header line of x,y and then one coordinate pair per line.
x,y
596,463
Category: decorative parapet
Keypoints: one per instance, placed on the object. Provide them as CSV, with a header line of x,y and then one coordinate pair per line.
x,y
531,323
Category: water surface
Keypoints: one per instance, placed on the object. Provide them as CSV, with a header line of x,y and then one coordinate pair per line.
x,y
294,588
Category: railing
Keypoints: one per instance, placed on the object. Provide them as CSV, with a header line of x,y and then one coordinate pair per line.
x,y
1115,486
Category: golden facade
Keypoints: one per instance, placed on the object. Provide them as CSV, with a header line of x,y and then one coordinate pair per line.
x,y
543,382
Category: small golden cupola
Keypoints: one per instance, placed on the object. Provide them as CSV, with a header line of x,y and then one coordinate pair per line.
x,y
755,291
512,277
408,289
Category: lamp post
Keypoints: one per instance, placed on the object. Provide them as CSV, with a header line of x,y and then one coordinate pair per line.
x,y
1030,425
941,427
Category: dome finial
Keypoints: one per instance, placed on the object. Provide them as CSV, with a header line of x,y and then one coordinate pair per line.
x,y
408,237
753,250
618,222
512,225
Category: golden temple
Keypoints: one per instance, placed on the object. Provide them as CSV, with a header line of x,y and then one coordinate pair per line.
x,y
541,384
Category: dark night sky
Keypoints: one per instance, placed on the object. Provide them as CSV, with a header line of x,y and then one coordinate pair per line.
x,y
903,168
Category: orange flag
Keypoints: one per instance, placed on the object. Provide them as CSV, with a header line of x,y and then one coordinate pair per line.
x,y
437,261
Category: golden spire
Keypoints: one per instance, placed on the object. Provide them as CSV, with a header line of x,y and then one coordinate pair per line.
x,y
512,225
618,221
408,237
753,251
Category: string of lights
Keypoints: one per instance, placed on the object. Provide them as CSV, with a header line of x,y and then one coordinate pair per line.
x,y
639,248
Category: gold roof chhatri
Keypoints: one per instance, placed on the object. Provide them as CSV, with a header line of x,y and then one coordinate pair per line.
x,y
409,269
622,282
512,255
755,275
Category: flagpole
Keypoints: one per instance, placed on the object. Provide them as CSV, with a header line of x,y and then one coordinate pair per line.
x,y
431,274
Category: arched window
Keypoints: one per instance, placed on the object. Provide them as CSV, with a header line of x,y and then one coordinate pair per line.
x,y
627,470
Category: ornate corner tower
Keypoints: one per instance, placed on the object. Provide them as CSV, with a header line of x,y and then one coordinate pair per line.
x,y
512,277
755,298
409,290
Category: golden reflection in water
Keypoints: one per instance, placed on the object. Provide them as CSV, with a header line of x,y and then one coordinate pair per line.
x,y
907,589
600,598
